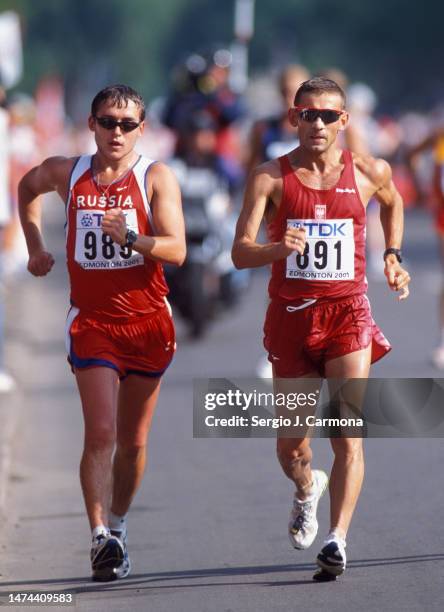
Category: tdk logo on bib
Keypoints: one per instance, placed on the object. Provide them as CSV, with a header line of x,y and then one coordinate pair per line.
x,y
330,228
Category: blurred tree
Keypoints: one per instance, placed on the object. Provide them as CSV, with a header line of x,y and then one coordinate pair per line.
x,y
93,43
394,45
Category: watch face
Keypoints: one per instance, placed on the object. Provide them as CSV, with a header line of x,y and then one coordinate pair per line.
x,y
131,237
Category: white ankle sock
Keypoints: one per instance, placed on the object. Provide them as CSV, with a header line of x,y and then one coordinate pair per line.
x,y
116,522
334,537
99,530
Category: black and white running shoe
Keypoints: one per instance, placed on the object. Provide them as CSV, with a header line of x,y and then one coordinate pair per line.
x,y
125,567
107,555
332,558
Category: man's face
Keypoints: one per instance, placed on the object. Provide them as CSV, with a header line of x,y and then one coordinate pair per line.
x,y
112,140
317,136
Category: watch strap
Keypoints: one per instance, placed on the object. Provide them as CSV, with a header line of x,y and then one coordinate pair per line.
x,y
393,251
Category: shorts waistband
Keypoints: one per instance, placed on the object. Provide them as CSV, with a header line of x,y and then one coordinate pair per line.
x,y
301,303
107,320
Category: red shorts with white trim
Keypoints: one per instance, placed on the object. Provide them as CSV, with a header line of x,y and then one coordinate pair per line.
x,y
144,346
301,338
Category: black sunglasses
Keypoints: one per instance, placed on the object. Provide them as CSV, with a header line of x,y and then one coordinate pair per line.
x,y
108,123
325,114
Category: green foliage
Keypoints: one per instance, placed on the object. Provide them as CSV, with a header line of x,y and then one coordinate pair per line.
x,y
394,45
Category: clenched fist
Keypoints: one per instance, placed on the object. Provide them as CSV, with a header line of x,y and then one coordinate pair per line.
x,y
114,224
40,263
294,239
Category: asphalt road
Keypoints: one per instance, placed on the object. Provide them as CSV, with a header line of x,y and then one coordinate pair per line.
x,y
208,527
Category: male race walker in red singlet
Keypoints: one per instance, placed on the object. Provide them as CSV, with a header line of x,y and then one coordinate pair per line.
x,y
123,220
319,322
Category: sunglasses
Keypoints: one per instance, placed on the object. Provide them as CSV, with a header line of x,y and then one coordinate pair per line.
x,y
108,123
325,114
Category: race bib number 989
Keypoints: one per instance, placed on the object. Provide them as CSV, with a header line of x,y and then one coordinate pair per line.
x,y
96,250
329,251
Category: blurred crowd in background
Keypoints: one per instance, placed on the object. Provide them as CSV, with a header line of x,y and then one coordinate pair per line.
x,y
203,123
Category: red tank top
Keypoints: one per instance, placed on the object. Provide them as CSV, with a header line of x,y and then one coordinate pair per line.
x,y
333,264
107,280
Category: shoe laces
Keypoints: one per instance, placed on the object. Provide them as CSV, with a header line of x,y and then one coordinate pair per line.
x,y
303,511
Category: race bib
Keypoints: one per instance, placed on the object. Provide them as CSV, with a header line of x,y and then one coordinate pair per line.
x,y
329,251
96,250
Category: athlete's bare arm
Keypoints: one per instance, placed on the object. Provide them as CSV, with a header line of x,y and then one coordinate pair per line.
x,y
374,178
264,189
168,245
52,175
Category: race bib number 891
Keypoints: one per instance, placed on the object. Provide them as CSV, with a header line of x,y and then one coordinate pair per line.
x,y
96,250
329,251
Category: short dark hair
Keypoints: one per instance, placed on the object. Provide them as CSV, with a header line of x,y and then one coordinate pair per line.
x,y
318,85
118,95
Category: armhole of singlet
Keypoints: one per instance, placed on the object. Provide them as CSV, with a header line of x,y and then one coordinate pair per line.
x,y
141,170
81,165
349,159
71,182
285,168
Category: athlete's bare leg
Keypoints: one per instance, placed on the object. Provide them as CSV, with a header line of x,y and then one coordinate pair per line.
x,y
295,454
136,403
347,473
98,389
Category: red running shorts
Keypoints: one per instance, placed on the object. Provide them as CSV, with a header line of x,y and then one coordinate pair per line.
x,y
300,341
144,346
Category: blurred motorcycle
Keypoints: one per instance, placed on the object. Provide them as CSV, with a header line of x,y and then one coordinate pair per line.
x,y
208,280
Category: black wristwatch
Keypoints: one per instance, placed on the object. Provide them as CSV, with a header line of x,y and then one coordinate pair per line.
x,y
393,251
131,238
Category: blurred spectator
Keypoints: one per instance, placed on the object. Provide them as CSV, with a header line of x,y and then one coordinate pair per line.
x,y
50,117
6,381
435,142
201,84
197,148
275,136
24,154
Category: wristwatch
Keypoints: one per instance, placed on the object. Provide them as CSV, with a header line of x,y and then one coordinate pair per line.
x,y
393,251
131,238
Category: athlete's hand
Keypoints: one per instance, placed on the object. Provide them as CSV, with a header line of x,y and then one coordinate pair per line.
x,y
294,239
40,263
114,224
398,279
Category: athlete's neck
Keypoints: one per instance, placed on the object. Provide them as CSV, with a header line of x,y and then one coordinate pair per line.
x,y
318,162
110,169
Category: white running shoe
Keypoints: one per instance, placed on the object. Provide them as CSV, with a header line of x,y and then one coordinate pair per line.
x,y
107,555
124,569
303,525
332,558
